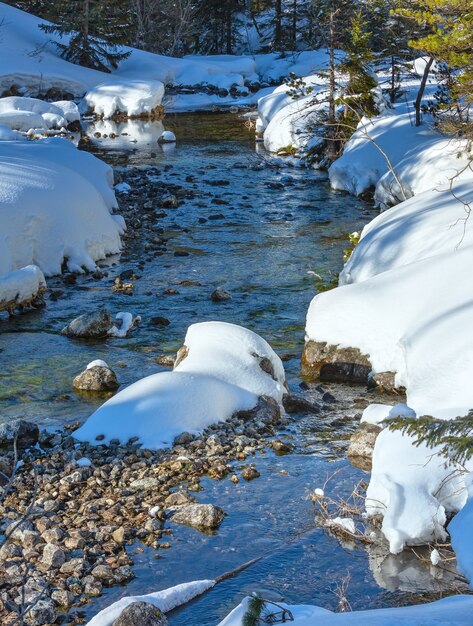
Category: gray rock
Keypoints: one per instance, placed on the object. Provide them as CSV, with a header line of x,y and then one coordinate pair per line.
x,y
360,449
267,411
330,363
141,614
62,598
183,439
178,498
90,325
144,483
16,531
25,433
53,556
103,573
41,613
200,516
96,378
384,382
220,295
297,404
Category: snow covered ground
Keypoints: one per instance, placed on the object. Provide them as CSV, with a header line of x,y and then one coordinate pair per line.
x,y
448,611
220,375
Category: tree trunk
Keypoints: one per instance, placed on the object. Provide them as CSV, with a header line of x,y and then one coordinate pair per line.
x,y
229,32
420,93
278,25
294,24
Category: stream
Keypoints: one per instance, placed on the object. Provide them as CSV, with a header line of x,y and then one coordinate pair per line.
x,y
264,234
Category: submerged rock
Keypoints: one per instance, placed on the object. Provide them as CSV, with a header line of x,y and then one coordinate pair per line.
x,y
90,325
141,614
206,516
330,363
220,295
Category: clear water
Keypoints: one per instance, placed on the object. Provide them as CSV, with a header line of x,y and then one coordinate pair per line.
x,y
264,250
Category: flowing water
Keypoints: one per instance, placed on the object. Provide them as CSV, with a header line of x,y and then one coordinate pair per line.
x,y
265,243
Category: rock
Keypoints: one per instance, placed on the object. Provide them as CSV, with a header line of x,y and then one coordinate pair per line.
x,y
145,483
331,363
118,535
53,556
220,295
296,404
25,433
166,360
183,439
16,531
141,614
62,598
159,321
385,383
282,447
169,202
42,612
178,498
103,573
250,473
267,411
97,378
360,449
90,325
206,516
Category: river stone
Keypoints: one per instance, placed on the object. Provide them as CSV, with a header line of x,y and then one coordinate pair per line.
x,y
141,614
330,363
360,449
42,612
385,383
220,295
205,516
297,404
90,325
25,433
97,378
53,556
267,411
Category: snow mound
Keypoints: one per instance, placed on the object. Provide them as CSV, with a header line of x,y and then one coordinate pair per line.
x,y
20,113
131,97
165,600
218,378
55,206
234,355
439,612
414,496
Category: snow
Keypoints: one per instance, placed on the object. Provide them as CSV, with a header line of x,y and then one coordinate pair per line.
x,y
165,600
19,286
219,377
83,461
133,97
460,529
439,612
20,113
345,523
435,557
125,322
167,136
97,363
377,413
415,495
55,206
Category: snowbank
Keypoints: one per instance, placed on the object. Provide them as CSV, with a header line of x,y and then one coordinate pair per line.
x,y
55,206
165,600
23,114
461,530
20,287
456,609
133,98
220,375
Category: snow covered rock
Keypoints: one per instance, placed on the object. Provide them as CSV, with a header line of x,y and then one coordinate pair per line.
x,y
167,136
125,97
20,113
55,206
220,373
21,288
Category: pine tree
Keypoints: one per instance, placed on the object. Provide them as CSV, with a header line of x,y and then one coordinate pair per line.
x,y
91,32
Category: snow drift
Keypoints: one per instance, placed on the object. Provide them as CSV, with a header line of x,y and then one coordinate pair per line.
x,y
221,374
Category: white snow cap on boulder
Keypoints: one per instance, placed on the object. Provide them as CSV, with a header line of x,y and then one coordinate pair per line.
x,y
220,375
20,113
167,136
133,97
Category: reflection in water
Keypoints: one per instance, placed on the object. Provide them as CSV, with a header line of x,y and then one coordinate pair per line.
x,y
133,134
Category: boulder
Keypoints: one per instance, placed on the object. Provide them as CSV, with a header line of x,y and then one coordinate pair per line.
x,y
297,404
220,295
90,325
25,433
96,378
41,612
53,556
200,516
141,614
360,449
331,363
